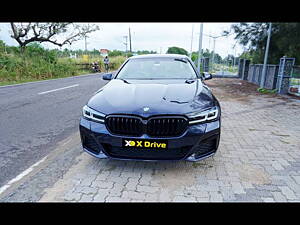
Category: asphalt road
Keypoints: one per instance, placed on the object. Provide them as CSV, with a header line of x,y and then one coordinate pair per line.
x,y
35,116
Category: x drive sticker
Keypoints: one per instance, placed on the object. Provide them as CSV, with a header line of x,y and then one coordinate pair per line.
x,y
145,143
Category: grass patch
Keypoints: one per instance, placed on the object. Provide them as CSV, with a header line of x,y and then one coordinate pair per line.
x,y
266,91
16,68
21,81
200,164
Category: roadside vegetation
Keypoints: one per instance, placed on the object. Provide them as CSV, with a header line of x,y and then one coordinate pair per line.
x,y
228,63
285,40
266,91
36,63
30,61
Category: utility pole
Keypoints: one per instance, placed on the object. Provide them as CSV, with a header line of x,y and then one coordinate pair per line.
x,y
125,43
200,46
214,45
234,58
130,41
227,59
262,81
213,54
192,41
209,41
85,44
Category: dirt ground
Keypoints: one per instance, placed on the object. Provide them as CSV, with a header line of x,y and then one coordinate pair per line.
x,y
239,90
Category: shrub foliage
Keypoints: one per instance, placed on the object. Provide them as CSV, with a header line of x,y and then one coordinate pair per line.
x,y
38,63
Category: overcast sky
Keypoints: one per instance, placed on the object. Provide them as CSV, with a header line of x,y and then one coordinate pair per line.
x,y
149,36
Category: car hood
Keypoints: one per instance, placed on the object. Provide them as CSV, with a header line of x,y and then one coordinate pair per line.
x,y
149,97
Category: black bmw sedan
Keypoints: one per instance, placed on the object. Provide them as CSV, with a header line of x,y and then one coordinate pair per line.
x,y
155,107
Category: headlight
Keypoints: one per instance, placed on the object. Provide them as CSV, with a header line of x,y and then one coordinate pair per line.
x,y
203,116
92,114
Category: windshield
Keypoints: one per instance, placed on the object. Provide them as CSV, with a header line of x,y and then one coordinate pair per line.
x,y
157,68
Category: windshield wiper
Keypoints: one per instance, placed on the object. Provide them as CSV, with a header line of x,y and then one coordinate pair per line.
x,y
190,81
181,60
125,81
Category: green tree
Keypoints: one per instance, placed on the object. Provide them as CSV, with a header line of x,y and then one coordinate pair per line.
x,y
285,40
206,53
144,52
95,52
2,46
177,50
37,51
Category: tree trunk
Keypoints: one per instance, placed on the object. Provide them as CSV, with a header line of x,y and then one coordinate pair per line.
x,y
22,49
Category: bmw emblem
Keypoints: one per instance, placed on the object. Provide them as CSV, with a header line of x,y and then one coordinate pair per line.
x,y
146,109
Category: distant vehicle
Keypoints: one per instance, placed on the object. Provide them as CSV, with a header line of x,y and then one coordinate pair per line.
x,y
156,107
95,67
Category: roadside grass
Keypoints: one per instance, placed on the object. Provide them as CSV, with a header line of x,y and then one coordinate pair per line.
x,y
29,70
233,69
295,81
26,80
15,69
221,67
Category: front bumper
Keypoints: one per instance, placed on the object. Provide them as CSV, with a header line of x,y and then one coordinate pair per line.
x,y
196,143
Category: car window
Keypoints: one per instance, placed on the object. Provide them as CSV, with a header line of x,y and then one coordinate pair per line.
x,y
157,68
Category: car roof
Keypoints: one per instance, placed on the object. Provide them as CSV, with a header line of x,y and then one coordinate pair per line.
x,y
159,56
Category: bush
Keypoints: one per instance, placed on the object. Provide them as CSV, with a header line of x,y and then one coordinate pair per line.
x,y
36,50
115,53
177,50
35,63
116,62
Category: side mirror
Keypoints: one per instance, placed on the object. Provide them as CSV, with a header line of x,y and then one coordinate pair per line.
x,y
207,76
107,76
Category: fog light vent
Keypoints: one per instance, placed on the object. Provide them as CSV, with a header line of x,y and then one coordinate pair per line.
x,y
90,144
205,147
